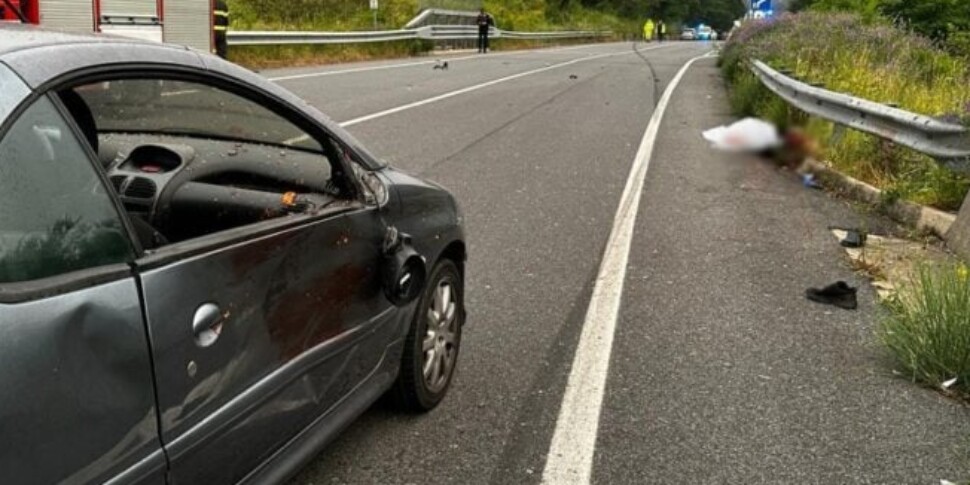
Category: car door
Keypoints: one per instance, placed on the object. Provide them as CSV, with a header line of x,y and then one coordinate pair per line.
x,y
77,404
259,329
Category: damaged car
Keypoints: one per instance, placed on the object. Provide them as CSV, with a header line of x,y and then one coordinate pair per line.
x,y
203,279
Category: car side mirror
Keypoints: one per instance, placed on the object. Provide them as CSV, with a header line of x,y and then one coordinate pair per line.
x,y
404,272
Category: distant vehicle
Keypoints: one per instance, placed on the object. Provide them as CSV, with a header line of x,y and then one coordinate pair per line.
x,y
705,32
203,279
688,34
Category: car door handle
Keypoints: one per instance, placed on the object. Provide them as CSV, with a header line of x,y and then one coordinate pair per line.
x,y
207,324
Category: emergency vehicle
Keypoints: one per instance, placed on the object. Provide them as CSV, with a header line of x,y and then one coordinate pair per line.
x,y
186,22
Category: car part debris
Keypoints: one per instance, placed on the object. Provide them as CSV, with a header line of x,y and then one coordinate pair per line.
x,y
441,65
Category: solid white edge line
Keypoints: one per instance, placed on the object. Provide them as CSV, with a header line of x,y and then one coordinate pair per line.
x,y
486,84
421,63
570,457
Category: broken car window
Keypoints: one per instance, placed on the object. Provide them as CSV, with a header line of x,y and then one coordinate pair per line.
x,y
187,108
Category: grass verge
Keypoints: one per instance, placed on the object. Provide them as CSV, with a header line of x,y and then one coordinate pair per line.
x,y
270,57
870,59
277,56
928,328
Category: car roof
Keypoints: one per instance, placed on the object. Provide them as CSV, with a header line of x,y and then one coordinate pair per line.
x,y
22,46
16,37
39,56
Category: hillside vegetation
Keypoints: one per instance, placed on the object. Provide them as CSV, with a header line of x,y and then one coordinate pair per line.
x,y
621,16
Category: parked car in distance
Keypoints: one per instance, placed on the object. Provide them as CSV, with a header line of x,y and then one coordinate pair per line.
x,y
705,32
202,277
688,34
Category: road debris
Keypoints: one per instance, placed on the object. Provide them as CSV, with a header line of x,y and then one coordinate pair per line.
x,y
888,262
808,180
440,65
853,239
839,294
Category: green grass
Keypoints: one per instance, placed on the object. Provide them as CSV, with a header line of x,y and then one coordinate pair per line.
x,y
342,15
267,57
870,59
928,329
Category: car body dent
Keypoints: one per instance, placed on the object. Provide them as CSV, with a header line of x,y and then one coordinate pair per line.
x,y
425,211
283,304
80,361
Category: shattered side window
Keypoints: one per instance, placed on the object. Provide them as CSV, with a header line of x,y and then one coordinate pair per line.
x,y
55,214
172,107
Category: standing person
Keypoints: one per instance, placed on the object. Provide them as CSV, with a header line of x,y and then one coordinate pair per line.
x,y
661,31
220,26
648,30
484,21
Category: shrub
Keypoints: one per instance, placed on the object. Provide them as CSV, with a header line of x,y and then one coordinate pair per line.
x,y
928,329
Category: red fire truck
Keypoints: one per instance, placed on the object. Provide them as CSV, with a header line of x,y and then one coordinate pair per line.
x,y
186,22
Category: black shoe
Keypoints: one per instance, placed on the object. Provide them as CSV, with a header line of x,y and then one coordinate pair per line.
x,y
839,294
854,239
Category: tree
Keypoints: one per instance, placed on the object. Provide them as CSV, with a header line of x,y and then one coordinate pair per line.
x,y
937,19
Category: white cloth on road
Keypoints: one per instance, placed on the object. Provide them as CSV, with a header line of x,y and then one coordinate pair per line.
x,y
747,135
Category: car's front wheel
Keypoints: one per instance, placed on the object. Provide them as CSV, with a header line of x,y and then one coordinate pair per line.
x,y
431,347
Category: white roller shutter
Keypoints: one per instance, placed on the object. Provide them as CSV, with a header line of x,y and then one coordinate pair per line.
x,y
188,22
145,8
70,15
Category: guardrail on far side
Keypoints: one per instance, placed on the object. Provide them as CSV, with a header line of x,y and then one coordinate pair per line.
x,y
431,32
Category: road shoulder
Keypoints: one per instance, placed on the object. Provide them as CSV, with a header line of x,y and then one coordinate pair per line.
x,y
722,372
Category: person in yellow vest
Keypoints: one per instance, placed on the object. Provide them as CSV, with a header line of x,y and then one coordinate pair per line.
x,y
220,25
648,30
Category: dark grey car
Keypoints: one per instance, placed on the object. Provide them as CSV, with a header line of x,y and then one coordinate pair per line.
x,y
202,278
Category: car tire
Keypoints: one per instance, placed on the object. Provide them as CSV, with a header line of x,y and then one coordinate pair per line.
x,y
431,348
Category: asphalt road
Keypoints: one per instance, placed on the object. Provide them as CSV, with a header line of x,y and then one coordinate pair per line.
x,y
720,371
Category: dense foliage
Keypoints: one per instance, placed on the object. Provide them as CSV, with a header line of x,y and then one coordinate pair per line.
x,y
944,21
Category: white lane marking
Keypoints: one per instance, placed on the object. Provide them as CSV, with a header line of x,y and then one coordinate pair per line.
x,y
570,457
423,63
486,84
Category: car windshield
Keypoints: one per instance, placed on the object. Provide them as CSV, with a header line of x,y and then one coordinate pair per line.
x,y
187,109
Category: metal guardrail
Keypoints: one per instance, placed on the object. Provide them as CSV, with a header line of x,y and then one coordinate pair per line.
x,y
947,142
431,32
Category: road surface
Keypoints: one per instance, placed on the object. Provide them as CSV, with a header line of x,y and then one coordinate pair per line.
x,y
719,370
